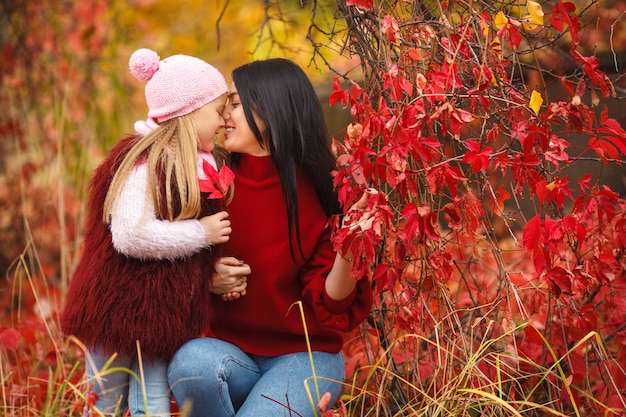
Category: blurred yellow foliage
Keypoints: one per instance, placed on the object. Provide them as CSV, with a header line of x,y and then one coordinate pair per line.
x,y
224,33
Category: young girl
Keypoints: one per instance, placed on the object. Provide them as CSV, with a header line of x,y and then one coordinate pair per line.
x,y
257,362
155,217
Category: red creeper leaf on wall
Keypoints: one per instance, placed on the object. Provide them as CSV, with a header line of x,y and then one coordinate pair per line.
x,y
423,148
415,54
532,233
443,265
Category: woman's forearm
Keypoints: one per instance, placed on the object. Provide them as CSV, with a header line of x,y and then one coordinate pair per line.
x,y
340,283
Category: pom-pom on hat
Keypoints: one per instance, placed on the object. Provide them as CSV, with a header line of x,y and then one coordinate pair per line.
x,y
175,86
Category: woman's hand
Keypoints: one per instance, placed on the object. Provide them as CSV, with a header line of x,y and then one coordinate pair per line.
x,y
340,282
216,228
361,215
230,278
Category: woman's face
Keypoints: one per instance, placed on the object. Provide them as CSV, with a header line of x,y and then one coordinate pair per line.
x,y
238,137
209,121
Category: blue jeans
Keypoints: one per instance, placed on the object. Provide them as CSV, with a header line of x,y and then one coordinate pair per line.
x,y
117,389
223,381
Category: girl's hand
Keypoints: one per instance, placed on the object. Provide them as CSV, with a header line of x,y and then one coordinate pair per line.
x,y
230,278
216,228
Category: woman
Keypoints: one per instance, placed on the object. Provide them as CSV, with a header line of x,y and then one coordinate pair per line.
x,y
256,362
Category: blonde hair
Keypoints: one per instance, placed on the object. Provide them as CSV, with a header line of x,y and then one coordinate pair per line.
x,y
171,150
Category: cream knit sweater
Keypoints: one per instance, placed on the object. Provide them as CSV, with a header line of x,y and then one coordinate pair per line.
x,y
136,232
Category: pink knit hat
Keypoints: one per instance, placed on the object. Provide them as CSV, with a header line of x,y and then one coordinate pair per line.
x,y
176,86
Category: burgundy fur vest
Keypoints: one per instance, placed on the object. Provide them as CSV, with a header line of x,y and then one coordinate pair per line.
x,y
115,301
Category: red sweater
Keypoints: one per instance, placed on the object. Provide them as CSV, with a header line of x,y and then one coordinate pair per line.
x,y
266,321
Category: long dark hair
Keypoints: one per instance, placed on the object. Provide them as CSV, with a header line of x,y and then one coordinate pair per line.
x,y
280,94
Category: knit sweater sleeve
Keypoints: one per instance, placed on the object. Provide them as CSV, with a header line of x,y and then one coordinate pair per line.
x,y
137,233
343,315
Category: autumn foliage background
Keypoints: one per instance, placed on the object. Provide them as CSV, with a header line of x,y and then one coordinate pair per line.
x,y
494,132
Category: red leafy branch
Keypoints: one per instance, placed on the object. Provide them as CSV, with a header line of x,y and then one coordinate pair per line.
x,y
486,214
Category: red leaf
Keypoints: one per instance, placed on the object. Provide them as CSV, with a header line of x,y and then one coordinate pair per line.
x,y
390,28
615,133
557,190
415,54
362,4
583,182
559,280
604,149
10,338
479,159
218,182
611,124
447,174
532,233
591,66
562,14
497,201
338,94
324,402
532,343
510,33
409,210
225,178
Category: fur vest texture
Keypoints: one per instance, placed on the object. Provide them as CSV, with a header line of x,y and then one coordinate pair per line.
x,y
115,301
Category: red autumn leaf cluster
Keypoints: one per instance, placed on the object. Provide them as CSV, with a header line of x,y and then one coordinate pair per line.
x,y
488,226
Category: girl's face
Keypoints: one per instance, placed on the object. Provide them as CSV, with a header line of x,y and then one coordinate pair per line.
x,y
209,121
238,137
